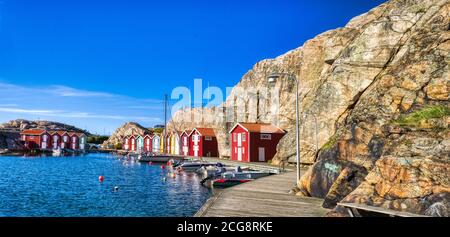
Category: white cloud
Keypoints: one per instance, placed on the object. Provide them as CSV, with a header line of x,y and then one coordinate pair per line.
x,y
28,111
68,114
72,92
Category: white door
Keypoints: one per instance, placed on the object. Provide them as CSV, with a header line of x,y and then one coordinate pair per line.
x,y
262,155
239,139
239,153
44,141
195,150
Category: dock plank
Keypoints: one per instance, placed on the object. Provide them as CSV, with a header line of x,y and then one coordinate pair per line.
x,y
265,197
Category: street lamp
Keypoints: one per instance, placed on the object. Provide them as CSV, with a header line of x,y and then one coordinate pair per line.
x,y
272,79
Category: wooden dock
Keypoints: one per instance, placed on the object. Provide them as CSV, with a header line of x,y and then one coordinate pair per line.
x,y
261,166
265,197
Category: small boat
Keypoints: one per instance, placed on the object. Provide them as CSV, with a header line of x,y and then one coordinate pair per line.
x,y
57,152
213,170
191,166
226,183
154,158
229,179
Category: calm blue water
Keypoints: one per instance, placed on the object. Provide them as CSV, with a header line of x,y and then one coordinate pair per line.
x,y
69,186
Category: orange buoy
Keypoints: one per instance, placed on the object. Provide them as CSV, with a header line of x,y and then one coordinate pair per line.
x,y
163,166
101,178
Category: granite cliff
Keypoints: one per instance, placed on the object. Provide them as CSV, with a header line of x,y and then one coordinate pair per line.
x,y
374,109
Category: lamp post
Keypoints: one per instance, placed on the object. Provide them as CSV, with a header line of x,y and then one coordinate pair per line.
x,y
272,79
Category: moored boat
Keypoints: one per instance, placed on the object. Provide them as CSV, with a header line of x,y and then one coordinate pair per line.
x,y
57,152
229,179
226,183
192,166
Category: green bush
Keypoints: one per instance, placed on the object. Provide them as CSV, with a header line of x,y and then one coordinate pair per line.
x,y
97,139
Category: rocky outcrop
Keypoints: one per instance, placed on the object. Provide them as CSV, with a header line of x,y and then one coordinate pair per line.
x,y
374,108
10,140
396,131
130,128
22,124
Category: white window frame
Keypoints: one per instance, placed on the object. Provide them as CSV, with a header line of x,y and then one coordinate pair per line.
x,y
244,135
208,138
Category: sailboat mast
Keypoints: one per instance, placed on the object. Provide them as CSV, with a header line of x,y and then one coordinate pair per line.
x,y
165,123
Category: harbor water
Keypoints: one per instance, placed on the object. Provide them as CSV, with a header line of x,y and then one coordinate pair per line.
x,y
70,187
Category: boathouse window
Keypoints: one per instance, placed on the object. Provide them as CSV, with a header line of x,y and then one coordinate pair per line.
x,y
243,136
208,138
266,137
234,136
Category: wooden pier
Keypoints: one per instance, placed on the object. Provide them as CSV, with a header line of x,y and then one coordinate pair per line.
x,y
265,197
261,166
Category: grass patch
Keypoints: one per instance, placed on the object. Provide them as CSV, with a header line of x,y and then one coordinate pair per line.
x,y
330,143
432,112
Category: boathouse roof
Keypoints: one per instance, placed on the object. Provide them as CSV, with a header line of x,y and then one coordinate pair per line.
x,y
209,132
33,132
259,128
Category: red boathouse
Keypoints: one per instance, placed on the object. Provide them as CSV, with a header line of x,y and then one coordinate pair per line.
x,y
203,143
36,139
148,144
132,141
65,139
254,142
56,139
74,140
185,142
126,143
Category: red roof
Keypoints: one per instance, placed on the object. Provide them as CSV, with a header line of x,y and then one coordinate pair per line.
x,y
209,132
33,132
259,128
187,132
61,132
148,135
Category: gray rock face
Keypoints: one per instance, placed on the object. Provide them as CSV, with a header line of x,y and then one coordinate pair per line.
x,y
22,124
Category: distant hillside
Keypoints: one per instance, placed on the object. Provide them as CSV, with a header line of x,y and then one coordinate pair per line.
x,y
127,129
22,124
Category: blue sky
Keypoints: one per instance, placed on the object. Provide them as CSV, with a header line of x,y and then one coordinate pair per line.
x,y
99,63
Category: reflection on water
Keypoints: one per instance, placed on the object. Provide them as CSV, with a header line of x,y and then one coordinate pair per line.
x,y
69,186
